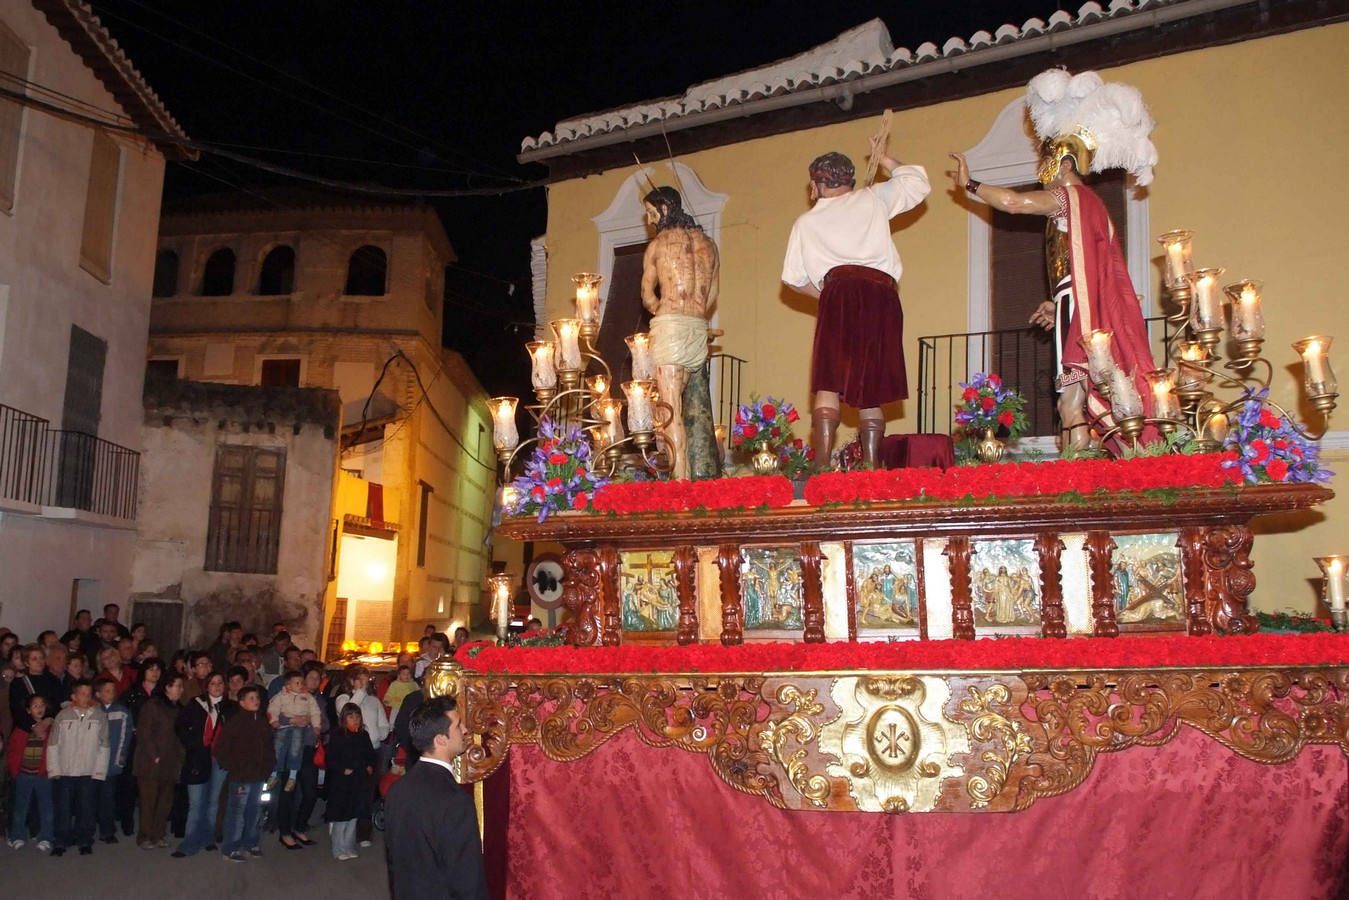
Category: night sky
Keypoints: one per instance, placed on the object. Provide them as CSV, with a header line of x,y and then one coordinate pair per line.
x,y
437,95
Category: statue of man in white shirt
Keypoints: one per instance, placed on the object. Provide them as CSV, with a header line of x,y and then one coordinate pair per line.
x,y
841,251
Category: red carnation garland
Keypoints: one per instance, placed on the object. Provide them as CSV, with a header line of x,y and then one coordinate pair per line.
x,y
1024,653
750,492
1084,476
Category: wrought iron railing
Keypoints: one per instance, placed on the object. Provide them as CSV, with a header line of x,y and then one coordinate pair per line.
x,y
1023,357
49,466
728,374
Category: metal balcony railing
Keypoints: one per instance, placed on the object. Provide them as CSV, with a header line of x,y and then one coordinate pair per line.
x,y
728,375
48,466
1023,357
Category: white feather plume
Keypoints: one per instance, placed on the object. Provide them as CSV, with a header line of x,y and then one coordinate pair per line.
x,y
1114,113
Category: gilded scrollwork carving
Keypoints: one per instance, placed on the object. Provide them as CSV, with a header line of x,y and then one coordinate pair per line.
x,y
990,723
800,726
897,741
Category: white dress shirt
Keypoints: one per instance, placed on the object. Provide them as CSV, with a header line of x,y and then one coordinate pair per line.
x,y
853,229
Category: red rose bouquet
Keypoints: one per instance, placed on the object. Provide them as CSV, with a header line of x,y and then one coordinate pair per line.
x,y
986,404
762,424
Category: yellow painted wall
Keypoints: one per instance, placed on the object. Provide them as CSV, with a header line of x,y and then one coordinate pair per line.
x,y
1250,136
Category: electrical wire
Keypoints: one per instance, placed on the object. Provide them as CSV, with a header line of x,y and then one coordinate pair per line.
x,y
270,85
206,147
298,80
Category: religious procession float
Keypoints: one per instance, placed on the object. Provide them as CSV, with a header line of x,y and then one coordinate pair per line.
x,y
957,633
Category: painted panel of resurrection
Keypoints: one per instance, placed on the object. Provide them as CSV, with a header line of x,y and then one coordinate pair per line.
x,y
1006,583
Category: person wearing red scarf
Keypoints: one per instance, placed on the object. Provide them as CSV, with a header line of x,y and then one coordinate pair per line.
x,y
198,727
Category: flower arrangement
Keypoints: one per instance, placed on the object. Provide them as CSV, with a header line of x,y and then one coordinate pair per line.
x,y
1269,449
559,475
762,424
796,460
987,404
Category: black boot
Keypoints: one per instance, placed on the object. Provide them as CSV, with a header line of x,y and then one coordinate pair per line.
x,y
824,426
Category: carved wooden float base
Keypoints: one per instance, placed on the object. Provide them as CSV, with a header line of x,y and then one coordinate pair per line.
x,y
901,741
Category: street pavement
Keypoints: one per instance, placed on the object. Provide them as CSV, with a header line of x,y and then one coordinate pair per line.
x,y
126,872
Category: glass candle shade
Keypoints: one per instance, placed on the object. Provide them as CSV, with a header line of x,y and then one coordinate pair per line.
x,y
1248,320
612,413
641,416
504,434
1190,368
599,386
568,334
1162,386
1316,374
1206,307
510,498
543,374
1124,400
1177,257
1334,569
643,366
587,297
1100,362
1215,427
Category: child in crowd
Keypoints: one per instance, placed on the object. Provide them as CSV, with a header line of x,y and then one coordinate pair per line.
x,y
27,760
400,687
244,750
350,763
77,759
291,712
120,730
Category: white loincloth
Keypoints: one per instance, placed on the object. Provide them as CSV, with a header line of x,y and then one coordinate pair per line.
x,y
678,340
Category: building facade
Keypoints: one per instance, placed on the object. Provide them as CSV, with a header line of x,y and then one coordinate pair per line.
x,y
1228,83
79,221
348,298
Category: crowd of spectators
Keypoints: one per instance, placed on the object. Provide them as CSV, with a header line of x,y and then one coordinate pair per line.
x,y
100,735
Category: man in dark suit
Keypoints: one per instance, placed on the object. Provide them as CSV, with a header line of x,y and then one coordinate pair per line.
x,y
431,827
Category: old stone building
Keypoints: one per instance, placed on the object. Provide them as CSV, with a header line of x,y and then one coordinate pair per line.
x,y
79,215
285,292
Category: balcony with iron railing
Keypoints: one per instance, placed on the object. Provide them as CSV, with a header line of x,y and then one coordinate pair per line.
x,y
1023,357
52,467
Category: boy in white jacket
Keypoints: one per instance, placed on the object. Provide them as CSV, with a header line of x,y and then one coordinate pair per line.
x,y
77,758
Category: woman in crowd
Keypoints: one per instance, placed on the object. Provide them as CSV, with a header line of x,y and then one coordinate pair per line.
x,y
351,763
158,760
376,724
151,673
110,666
198,727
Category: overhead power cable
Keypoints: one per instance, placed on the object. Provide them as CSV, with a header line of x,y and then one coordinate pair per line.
x,y
374,190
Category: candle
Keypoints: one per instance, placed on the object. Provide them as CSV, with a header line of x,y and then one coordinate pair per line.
x,y
1099,359
1248,321
1178,260
1335,584
1206,310
568,333
587,297
599,386
510,495
640,417
1164,403
544,374
611,411
504,435
1317,377
643,367
1124,400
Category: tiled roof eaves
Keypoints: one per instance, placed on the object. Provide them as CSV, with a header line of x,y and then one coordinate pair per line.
x,y
81,28
1093,22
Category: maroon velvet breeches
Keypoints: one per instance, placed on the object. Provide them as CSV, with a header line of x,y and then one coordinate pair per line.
x,y
859,338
